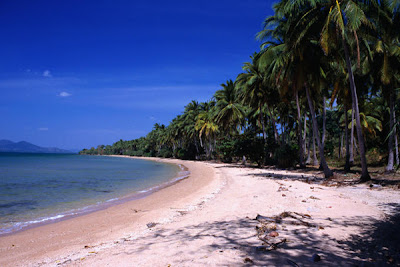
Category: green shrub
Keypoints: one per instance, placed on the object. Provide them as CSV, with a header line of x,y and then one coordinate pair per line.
x,y
286,156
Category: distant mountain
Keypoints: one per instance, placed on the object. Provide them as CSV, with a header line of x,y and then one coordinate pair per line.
x,y
9,146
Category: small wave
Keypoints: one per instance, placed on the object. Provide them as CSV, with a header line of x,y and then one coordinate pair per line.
x,y
113,199
21,225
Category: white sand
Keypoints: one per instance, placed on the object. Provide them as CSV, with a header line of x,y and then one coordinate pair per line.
x,y
208,220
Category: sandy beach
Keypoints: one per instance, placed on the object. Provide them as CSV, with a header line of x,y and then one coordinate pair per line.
x,y
222,215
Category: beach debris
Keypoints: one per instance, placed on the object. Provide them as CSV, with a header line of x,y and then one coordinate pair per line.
x,y
282,188
375,186
264,218
248,260
315,258
268,230
292,263
283,195
273,234
151,224
312,197
64,262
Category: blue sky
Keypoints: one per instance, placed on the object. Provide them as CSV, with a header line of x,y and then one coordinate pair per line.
x,y
76,74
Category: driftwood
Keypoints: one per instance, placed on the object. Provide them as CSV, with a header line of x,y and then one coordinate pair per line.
x,y
267,231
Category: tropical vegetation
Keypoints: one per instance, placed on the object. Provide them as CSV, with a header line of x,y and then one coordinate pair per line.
x,y
324,86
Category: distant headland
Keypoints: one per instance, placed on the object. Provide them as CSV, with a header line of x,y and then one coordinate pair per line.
x,y
25,147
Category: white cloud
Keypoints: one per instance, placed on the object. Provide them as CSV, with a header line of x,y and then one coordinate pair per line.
x,y
64,94
43,129
47,74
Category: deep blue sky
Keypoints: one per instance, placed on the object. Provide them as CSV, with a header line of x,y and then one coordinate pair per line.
x,y
78,73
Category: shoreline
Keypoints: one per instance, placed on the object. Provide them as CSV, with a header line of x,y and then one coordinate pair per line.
x,y
228,215
76,212
113,222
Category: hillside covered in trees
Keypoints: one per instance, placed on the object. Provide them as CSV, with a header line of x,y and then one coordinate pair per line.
x,y
324,84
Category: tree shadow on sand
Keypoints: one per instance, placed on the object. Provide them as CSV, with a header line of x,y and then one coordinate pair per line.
x,y
236,243
379,243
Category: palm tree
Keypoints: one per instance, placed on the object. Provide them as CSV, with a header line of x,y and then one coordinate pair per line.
x,y
255,93
291,65
229,112
347,22
192,110
340,21
387,59
207,126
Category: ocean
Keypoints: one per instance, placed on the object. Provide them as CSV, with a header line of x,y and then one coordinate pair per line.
x,y
40,188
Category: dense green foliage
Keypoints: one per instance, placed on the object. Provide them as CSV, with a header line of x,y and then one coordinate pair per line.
x,y
325,82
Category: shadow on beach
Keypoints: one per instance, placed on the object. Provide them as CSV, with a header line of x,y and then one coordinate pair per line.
x,y
236,243
313,175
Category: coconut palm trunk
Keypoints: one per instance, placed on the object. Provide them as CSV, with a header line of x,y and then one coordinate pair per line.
x,y
341,145
364,167
315,159
323,121
305,134
300,137
390,164
327,172
273,125
323,128
308,161
346,133
263,124
396,145
351,160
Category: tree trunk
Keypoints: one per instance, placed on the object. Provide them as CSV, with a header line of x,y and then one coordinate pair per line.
x,y
341,145
327,172
323,121
346,129
305,133
390,164
315,159
396,145
308,161
196,145
323,127
300,137
364,167
263,124
210,145
273,125
351,160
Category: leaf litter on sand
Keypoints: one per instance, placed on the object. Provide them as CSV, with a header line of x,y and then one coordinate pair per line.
x,y
268,229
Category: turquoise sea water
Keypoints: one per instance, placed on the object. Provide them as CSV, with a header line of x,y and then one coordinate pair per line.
x,y
37,188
